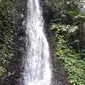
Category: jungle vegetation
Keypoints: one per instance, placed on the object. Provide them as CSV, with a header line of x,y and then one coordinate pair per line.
x,y
68,27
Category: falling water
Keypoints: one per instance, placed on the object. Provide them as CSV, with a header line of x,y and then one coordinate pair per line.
x,y
37,66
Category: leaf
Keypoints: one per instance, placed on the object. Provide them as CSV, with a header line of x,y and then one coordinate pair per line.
x,y
72,13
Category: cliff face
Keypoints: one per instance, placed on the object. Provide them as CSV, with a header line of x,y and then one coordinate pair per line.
x,y
58,77
15,68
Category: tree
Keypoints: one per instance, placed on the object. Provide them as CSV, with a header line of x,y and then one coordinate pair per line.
x,y
6,29
67,25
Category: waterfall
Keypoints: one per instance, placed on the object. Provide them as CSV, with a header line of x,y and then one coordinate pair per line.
x,y
37,61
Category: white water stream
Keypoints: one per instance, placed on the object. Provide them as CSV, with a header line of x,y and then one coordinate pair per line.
x,y
37,62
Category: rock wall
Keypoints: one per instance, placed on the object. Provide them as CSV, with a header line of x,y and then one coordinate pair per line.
x,y
58,77
15,68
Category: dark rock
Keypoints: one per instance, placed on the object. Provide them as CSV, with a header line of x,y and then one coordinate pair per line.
x,y
12,80
14,68
58,77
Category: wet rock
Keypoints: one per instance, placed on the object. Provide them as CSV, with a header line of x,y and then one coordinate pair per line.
x,y
58,76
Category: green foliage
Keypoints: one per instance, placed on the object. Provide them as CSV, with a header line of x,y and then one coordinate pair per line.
x,y
72,62
6,28
73,66
1,70
67,25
